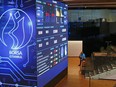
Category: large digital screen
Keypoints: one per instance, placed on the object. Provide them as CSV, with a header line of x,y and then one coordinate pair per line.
x,y
33,42
51,39
17,43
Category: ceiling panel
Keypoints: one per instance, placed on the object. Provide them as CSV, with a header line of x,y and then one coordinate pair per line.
x,y
89,0
90,3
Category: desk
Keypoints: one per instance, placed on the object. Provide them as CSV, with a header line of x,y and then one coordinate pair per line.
x,y
103,54
86,66
102,59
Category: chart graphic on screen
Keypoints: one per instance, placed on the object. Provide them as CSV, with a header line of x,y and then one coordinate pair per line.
x,y
51,39
52,34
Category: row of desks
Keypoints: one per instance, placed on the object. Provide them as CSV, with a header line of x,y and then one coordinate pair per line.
x,y
103,54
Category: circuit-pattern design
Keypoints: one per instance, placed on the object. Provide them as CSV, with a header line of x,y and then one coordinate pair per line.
x,y
17,41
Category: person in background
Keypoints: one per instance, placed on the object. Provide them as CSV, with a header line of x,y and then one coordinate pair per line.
x,y
82,57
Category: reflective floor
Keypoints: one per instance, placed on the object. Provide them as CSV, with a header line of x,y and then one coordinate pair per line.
x,y
75,79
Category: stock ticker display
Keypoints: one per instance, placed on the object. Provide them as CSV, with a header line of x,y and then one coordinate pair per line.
x,y
33,42
52,39
17,44
51,34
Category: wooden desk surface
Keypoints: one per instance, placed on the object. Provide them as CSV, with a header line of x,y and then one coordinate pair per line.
x,y
87,64
104,54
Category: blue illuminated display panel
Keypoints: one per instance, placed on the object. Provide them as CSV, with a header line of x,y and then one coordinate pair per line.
x,y
51,39
33,42
17,43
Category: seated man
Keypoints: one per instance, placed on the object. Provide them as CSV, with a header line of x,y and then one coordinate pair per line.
x,y
82,57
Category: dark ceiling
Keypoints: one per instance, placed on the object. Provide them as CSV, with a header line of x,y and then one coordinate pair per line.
x,y
90,3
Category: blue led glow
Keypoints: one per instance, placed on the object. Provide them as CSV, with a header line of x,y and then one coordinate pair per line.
x,y
17,41
31,52
11,33
10,14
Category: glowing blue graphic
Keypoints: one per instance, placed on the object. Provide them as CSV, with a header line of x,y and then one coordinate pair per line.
x,y
14,68
16,4
66,50
18,44
34,44
21,3
62,51
17,19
